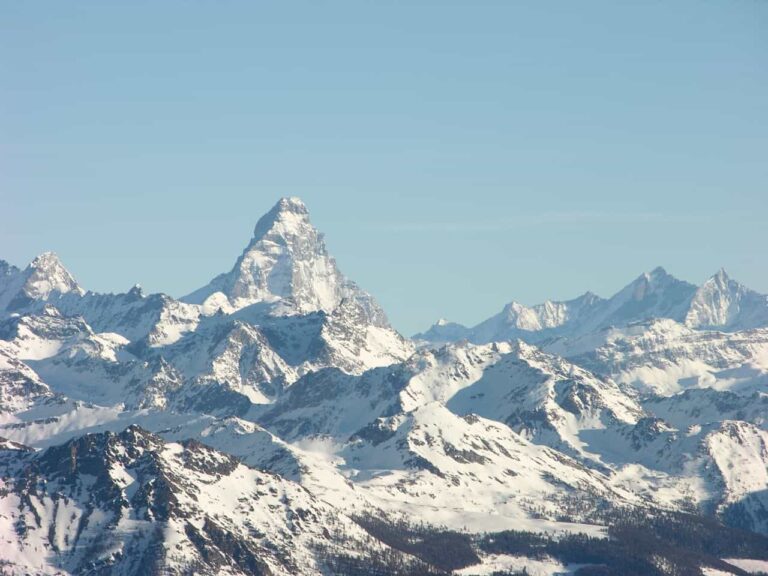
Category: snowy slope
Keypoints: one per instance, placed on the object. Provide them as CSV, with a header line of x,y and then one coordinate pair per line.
x,y
444,331
132,504
720,303
286,261
665,357
723,303
158,318
654,294
434,460
519,321
34,337
547,399
44,277
738,453
20,386
46,282
331,403
700,406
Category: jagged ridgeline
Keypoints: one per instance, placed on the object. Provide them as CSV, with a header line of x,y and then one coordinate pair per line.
x,y
273,422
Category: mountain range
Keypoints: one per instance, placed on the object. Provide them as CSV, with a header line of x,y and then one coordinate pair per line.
x,y
274,422
720,304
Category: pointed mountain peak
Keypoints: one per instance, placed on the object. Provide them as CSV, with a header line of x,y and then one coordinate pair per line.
x,y
721,282
588,297
656,275
285,262
292,204
288,216
513,306
721,277
45,275
46,261
724,303
656,279
654,294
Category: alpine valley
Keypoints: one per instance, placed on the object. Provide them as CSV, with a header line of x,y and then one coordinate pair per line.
x,y
272,422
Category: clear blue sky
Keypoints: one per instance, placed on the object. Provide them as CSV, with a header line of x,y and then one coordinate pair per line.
x,y
456,154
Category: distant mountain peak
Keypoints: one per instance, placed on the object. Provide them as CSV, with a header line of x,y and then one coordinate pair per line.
x,y
45,275
721,279
722,302
721,273
46,260
42,278
285,262
292,204
288,216
656,277
588,295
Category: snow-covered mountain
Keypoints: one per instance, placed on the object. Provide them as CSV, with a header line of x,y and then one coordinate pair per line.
x,y
260,424
516,320
157,319
44,277
133,504
547,399
454,467
725,304
665,357
286,262
720,303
